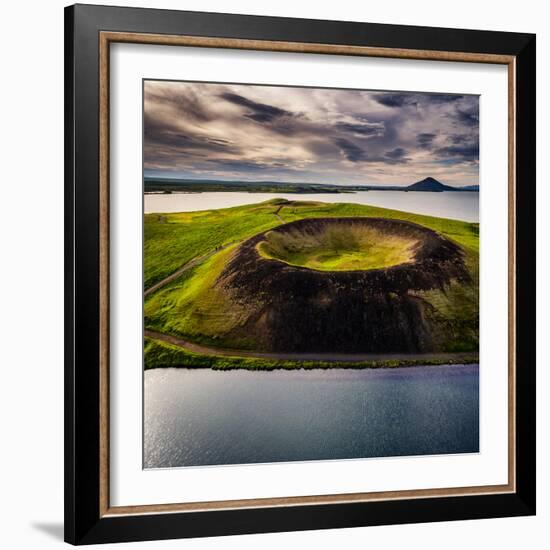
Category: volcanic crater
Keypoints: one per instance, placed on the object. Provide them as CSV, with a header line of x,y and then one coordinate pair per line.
x,y
342,285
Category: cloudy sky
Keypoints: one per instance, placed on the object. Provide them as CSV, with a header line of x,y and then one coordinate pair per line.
x,y
270,133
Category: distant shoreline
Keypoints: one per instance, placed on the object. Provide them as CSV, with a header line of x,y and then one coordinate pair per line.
x,y
168,187
251,191
293,191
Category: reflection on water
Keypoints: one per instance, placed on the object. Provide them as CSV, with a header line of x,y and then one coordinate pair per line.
x,y
206,417
463,205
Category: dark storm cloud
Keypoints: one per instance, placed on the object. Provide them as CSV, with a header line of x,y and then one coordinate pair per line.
x,y
320,147
396,154
304,134
242,165
468,117
351,151
457,139
362,129
354,153
272,118
443,98
465,153
425,140
460,148
187,105
261,112
393,99
159,132
165,141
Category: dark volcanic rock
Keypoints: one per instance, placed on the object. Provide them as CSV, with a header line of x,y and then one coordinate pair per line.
x,y
296,309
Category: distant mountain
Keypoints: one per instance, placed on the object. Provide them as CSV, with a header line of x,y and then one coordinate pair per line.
x,y
430,184
168,185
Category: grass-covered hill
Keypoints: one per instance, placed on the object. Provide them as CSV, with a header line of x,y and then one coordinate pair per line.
x,y
201,307
300,297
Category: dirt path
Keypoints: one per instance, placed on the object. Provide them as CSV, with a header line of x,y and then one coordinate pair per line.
x,y
344,357
276,213
313,356
190,264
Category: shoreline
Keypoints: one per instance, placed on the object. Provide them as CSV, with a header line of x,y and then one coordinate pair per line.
x,y
295,192
349,366
165,351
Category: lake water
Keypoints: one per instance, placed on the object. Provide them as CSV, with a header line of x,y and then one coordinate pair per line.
x,y
463,205
205,417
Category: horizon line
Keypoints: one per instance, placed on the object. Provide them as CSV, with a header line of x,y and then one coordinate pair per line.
x,y
221,180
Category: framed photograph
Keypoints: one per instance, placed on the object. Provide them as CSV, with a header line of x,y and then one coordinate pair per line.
x,y
300,274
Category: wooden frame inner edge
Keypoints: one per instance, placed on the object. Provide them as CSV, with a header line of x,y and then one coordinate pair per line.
x,y
105,39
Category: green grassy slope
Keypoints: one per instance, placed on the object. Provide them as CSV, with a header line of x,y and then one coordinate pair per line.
x,y
171,240
191,308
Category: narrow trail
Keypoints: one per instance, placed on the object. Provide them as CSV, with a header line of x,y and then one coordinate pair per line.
x,y
190,264
329,357
310,356
276,213
195,261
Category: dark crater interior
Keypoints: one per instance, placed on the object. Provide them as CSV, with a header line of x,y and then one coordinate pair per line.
x,y
297,309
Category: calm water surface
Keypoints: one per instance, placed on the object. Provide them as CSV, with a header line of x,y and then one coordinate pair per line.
x,y
206,417
463,205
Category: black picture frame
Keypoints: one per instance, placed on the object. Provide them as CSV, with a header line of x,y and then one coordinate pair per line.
x,y
84,522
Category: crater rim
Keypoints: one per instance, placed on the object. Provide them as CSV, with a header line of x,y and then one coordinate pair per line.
x,y
407,240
